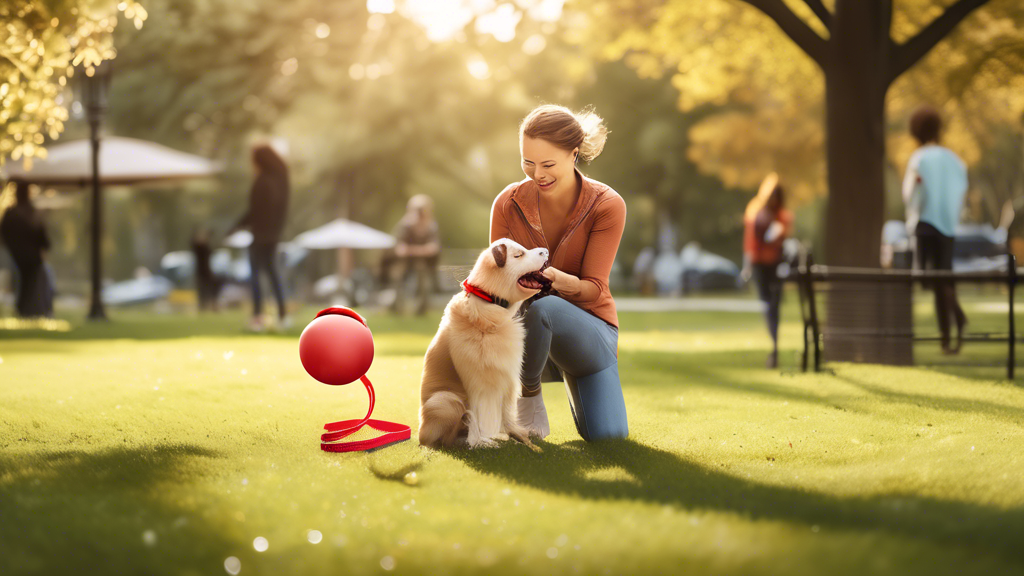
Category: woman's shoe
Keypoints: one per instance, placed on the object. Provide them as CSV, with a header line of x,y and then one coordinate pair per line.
x,y
534,416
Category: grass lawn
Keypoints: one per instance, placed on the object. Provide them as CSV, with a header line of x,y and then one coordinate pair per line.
x,y
167,444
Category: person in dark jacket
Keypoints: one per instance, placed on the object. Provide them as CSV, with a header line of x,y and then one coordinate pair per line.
x,y
207,283
268,208
24,234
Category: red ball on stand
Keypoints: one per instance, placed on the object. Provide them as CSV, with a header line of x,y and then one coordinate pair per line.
x,y
336,348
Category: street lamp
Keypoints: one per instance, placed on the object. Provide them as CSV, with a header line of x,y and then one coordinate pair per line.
x,y
92,93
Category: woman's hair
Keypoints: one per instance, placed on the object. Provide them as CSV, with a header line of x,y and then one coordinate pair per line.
x,y
267,160
566,129
926,124
770,188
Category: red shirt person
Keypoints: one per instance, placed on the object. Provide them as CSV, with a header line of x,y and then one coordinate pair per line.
x,y
766,224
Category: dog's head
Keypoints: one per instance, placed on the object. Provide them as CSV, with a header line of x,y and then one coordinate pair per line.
x,y
509,271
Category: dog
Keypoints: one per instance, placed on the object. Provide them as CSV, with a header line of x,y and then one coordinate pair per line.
x,y
471,372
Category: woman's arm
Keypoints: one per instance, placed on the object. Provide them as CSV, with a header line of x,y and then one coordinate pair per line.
x,y
499,226
602,246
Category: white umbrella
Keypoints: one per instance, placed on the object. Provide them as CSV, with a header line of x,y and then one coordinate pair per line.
x,y
240,239
122,161
343,233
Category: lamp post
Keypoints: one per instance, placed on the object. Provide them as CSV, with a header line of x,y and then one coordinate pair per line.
x,y
93,91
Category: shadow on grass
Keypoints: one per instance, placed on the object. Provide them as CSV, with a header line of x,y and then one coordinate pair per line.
x,y
639,473
104,513
707,371
1010,414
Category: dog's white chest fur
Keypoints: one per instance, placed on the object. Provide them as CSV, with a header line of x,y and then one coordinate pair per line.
x,y
487,350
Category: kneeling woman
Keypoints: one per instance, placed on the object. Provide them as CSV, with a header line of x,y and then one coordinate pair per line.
x,y
580,221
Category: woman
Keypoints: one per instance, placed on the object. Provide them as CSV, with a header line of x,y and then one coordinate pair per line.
x,y
766,223
268,207
933,190
580,221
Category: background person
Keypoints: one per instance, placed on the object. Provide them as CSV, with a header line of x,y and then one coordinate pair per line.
x,y
268,210
934,187
417,252
207,284
24,233
766,224
580,221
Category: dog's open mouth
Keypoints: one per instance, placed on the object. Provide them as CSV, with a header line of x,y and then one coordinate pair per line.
x,y
535,280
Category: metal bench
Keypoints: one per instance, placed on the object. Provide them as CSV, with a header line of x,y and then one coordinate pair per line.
x,y
810,277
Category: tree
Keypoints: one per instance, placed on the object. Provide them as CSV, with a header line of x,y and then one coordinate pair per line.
x,y
777,56
374,107
40,44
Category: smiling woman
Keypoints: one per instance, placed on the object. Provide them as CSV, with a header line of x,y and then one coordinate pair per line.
x,y
574,330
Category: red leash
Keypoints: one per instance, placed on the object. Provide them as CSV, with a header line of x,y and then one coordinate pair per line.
x,y
331,441
393,432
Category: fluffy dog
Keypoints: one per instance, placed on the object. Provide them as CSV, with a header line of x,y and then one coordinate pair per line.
x,y
471,372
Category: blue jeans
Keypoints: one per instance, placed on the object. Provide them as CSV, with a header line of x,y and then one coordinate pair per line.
x,y
583,348
263,257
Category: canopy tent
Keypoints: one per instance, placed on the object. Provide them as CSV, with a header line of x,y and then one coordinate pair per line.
x,y
342,233
122,161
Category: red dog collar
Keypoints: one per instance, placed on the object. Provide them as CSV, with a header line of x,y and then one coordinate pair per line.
x,y
470,289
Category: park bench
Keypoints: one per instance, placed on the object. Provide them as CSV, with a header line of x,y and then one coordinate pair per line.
x,y
891,329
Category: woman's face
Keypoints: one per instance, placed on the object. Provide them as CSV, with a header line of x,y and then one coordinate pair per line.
x,y
552,168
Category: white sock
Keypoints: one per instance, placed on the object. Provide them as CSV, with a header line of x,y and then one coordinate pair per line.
x,y
534,416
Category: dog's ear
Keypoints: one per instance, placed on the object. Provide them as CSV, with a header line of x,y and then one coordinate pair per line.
x,y
500,253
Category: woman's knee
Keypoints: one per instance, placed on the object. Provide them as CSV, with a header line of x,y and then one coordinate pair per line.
x,y
541,310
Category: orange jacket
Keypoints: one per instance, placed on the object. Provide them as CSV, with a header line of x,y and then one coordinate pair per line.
x,y
757,250
588,246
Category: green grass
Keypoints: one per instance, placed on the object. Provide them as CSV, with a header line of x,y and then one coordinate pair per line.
x,y
164,444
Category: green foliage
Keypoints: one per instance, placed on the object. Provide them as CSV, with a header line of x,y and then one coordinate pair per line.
x,y
730,54
40,43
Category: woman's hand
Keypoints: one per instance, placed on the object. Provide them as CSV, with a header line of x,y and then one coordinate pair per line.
x,y
562,282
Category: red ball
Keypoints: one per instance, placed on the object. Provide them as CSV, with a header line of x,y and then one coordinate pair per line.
x,y
336,348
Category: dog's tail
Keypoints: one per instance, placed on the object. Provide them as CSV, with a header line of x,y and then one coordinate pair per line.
x,y
441,419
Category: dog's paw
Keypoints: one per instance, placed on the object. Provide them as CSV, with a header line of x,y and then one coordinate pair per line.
x,y
501,436
484,443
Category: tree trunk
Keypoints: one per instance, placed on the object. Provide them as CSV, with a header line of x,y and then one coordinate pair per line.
x,y
865,322
855,87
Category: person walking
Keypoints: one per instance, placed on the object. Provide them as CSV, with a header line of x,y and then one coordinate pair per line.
x,y
934,187
766,224
24,233
418,250
268,209
574,330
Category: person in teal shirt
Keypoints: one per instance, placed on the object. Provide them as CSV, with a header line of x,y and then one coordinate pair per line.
x,y
933,190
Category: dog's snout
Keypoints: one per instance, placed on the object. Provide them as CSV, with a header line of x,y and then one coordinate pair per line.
x,y
544,253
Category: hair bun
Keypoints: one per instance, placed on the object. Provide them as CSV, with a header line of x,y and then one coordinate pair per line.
x,y
595,133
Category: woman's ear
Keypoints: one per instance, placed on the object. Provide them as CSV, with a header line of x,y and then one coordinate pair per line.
x,y
576,155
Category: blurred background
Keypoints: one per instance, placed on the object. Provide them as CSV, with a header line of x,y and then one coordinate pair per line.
x,y
372,102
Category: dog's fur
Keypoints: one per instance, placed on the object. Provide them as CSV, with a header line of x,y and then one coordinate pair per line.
x,y
471,373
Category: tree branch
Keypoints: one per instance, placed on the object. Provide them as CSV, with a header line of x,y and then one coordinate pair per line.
x,y
821,12
797,30
907,54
